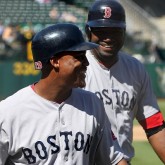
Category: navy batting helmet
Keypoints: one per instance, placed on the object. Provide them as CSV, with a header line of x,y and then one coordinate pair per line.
x,y
55,39
106,13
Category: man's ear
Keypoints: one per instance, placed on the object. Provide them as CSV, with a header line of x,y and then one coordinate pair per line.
x,y
55,62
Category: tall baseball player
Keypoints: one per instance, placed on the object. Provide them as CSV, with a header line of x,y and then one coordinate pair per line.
x,y
121,81
52,122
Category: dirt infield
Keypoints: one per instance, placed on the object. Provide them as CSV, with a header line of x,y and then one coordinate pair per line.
x,y
138,133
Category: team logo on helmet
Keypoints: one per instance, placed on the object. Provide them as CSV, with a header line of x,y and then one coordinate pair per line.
x,y
38,65
107,12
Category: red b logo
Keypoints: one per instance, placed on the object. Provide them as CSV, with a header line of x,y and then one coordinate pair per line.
x,y
107,12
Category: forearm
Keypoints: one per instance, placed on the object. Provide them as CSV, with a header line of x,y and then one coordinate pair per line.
x,y
122,162
157,141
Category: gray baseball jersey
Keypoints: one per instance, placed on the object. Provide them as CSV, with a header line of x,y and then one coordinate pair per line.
x,y
126,92
36,131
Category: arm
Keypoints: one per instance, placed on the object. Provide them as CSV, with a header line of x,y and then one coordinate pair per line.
x,y
122,162
157,142
155,130
150,117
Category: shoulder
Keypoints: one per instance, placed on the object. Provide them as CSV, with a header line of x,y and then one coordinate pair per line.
x,y
131,63
14,107
125,57
14,100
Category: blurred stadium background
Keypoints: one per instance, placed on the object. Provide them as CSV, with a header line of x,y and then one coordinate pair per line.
x,y
21,19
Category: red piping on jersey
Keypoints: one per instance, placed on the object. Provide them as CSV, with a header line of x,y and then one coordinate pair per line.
x,y
152,121
32,86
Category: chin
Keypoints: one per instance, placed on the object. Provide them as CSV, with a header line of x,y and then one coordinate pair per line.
x,y
80,82
106,53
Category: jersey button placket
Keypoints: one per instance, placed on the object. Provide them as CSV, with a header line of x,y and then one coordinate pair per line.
x,y
66,158
62,121
64,128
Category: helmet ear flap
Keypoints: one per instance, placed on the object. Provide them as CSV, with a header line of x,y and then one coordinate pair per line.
x,y
88,31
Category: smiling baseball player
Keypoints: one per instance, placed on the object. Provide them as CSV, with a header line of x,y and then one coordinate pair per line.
x,y
121,81
52,122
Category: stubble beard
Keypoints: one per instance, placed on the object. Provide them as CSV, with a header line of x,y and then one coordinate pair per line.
x,y
80,82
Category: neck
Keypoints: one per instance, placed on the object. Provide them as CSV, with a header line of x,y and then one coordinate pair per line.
x,y
52,92
106,61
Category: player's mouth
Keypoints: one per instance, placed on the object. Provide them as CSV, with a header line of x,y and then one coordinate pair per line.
x,y
106,46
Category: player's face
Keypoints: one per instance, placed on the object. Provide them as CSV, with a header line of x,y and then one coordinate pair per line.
x,y
73,66
110,39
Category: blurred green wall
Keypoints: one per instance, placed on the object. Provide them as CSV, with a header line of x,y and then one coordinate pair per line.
x,y
16,75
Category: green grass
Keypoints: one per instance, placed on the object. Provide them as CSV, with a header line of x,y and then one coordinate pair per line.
x,y
161,103
144,154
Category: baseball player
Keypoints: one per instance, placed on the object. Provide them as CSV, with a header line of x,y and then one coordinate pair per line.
x,y
120,80
52,122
